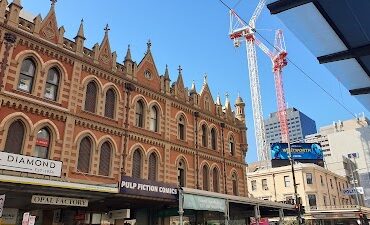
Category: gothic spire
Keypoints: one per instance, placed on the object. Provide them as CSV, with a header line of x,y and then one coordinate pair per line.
x,y
80,32
193,89
166,73
218,100
128,54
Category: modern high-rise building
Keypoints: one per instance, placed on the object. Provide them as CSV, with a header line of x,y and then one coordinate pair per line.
x,y
342,138
299,126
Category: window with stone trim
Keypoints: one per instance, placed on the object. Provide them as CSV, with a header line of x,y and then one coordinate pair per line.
x,y
139,114
105,159
91,96
27,75
15,138
152,169
84,156
232,146
234,180
136,164
154,119
205,178
110,103
42,143
213,139
181,173
204,136
181,127
215,180
52,84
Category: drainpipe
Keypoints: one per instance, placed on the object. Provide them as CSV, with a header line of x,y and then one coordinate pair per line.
x,y
129,88
196,115
223,152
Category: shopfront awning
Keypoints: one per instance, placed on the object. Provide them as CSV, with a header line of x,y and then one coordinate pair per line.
x,y
337,32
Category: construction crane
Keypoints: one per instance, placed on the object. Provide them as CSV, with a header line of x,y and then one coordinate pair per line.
x,y
240,31
279,60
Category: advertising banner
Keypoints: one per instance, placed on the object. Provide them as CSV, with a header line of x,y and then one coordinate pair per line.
x,y
197,202
148,188
28,164
352,191
299,151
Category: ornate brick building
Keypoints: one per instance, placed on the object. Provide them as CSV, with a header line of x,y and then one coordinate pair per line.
x,y
63,101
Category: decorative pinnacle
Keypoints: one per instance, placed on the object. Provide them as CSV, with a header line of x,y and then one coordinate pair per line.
x,y
106,29
149,44
205,80
218,100
128,53
179,69
53,3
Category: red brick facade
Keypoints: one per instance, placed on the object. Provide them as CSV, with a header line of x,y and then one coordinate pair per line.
x,y
68,122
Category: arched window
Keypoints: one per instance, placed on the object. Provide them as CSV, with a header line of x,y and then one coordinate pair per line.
x,y
215,180
139,122
232,145
91,96
52,84
84,156
42,143
181,128
15,138
154,119
136,164
205,178
235,184
27,75
110,103
204,136
181,176
105,158
152,173
213,138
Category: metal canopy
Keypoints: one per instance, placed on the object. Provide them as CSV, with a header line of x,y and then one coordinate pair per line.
x,y
337,32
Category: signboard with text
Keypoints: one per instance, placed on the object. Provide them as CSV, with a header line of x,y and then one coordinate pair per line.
x,y
352,191
53,200
197,202
28,164
148,188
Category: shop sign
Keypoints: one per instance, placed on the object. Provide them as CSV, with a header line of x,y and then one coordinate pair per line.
x,y
197,202
28,164
9,216
148,188
53,200
352,191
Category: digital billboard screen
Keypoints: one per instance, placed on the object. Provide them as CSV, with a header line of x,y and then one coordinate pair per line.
x,y
299,151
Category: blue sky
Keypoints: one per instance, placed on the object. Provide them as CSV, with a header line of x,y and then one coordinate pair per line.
x,y
194,34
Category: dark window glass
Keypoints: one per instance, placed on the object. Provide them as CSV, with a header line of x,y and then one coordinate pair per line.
x,y
205,178
91,95
42,144
52,84
27,75
105,159
136,164
235,184
139,122
181,173
232,146
213,138
154,119
152,173
181,128
204,135
309,178
84,155
15,137
110,102
312,201
215,180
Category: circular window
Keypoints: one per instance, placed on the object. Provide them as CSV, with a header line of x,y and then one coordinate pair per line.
x,y
147,74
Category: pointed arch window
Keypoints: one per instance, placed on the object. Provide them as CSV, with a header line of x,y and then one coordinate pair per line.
x,y
84,156
15,137
205,178
136,164
181,173
213,139
181,127
42,143
52,84
234,183
91,97
204,136
152,173
139,121
232,145
154,119
215,180
27,75
110,102
105,159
